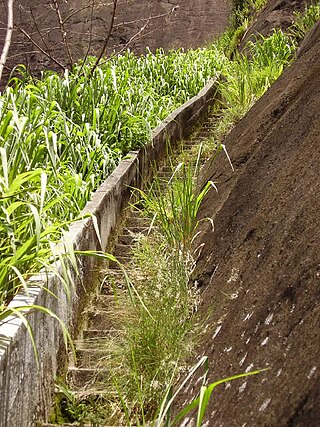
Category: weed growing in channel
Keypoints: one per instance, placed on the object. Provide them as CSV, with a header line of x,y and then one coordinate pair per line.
x,y
248,76
160,333
154,309
175,210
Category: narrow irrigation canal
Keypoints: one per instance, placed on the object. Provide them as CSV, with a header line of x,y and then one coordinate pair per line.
x,y
102,383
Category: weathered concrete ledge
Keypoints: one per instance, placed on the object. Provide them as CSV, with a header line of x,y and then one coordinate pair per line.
x,y
25,387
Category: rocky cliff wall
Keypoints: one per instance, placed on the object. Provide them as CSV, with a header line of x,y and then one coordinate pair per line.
x,y
138,24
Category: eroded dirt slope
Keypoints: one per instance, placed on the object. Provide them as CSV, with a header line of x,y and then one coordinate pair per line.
x,y
260,268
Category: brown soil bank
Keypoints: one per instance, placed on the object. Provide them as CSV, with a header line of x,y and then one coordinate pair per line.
x,y
260,268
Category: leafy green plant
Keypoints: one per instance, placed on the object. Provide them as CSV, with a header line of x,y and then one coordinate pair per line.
x,y
175,210
200,403
249,75
198,406
244,11
72,407
304,21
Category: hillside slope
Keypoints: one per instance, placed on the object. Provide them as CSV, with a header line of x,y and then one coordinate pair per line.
x,y
260,268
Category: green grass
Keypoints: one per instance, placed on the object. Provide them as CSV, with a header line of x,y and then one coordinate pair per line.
x,y
175,212
61,136
304,21
244,12
159,332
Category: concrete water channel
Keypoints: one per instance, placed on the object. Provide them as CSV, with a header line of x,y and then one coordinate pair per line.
x,y
27,384
86,374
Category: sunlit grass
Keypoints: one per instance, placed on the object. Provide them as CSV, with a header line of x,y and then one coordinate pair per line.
x,y
61,136
305,20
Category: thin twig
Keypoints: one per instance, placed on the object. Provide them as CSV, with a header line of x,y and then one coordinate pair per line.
x,y
150,18
144,27
38,30
104,47
35,44
63,32
90,33
133,38
75,12
7,41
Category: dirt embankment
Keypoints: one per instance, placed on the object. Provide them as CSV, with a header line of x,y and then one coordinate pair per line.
x,y
260,268
138,24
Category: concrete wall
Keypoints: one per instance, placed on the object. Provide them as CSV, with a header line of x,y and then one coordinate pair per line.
x,y
25,388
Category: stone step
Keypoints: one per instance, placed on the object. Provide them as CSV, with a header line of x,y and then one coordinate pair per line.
x,y
166,172
126,239
135,230
103,302
74,425
101,320
190,145
94,339
91,357
93,336
161,186
206,133
136,220
168,169
164,178
81,378
114,265
122,250
100,315
114,279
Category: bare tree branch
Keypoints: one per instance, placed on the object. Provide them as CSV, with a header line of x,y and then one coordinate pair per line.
x,y
135,36
40,34
35,44
75,12
162,15
7,41
38,30
90,33
63,32
142,29
104,47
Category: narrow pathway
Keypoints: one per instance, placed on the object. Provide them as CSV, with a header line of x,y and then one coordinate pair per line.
x,y
85,376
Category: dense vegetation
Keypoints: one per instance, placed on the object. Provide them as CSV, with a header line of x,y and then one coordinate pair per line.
x,y
157,329
60,136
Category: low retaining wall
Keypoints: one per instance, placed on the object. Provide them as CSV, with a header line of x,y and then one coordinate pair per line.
x,y
25,387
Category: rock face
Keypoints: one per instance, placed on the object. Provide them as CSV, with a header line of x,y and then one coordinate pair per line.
x,y
260,268
276,14
138,24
